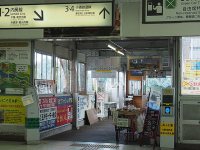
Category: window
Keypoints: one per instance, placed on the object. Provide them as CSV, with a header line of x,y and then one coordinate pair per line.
x,y
43,66
190,66
63,75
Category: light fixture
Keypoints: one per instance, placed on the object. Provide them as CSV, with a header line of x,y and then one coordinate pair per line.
x,y
120,52
112,47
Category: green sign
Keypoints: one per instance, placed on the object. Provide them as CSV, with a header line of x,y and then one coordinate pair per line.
x,y
170,4
32,123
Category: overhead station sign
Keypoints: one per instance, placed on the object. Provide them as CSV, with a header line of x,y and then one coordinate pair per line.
x,y
163,11
57,15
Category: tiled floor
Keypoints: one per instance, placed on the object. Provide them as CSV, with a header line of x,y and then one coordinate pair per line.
x,y
65,145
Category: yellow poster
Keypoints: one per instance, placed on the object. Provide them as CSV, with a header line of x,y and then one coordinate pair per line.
x,y
12,110
167,129
190,67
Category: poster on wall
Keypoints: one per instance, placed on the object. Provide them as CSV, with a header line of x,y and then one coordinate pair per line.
x,y
48,112
190,86
82,106
15,66
45,86
168,11
144,63
192,67
100,97
12,110
64,110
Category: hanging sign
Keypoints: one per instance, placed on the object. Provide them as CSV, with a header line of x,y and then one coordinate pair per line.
x,y
103,74
163,11
57,15
104,63
144,63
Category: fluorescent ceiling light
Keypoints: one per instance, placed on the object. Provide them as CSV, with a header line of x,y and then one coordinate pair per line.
x,y
112,47
120,52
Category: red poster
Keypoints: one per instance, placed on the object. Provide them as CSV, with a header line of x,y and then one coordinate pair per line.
x,y
64,110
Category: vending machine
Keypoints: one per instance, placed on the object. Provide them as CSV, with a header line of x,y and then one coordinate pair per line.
x,y
167,119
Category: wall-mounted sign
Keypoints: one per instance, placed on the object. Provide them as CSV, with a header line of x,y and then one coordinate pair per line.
x,y
57,15
163,11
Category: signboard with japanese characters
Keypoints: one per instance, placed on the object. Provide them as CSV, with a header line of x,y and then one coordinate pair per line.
x,y
12,110
48,112
15,62
64,110
82,104
167,129
57,15
163,11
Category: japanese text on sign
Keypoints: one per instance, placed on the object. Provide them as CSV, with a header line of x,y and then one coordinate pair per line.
x,y
167,129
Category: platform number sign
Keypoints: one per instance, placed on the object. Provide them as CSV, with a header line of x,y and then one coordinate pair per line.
x,y
68,8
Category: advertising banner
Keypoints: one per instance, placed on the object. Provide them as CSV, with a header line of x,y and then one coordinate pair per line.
x,y
64,110
48,112
12,110
15,60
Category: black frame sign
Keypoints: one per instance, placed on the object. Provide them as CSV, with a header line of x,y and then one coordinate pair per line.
x,y
57,15
170,11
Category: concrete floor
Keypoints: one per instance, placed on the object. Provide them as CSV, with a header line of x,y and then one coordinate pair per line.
x,y
99,136
65,145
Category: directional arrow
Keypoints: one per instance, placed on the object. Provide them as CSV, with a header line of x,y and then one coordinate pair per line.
x,y
104,10
41,18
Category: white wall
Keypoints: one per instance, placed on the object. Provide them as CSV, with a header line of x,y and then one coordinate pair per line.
x,y
132,27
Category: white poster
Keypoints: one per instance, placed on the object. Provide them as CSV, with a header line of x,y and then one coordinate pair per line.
x,y
171,10
27,100
82,106
190,86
